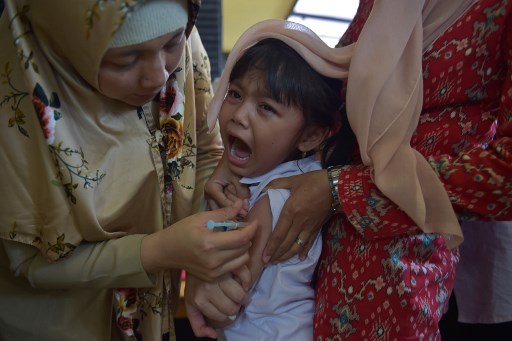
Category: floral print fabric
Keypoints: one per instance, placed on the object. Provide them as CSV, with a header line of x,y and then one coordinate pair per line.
x,y
82,169
379,278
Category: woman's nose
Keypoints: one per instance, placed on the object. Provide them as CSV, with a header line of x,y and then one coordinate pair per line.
x,y
154,75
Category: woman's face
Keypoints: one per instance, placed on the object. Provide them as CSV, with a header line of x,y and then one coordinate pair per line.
x,y
135,74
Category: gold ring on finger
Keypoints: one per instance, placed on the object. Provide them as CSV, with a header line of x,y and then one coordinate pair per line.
x,y
300,242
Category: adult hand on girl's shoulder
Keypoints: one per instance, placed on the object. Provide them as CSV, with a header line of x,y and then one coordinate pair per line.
x,y
188,244
303,215
224,188
210,305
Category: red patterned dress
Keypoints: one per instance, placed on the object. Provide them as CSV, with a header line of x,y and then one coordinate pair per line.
x,y
380,277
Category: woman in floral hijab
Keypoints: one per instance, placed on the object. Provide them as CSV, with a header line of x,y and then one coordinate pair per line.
x,y
99,172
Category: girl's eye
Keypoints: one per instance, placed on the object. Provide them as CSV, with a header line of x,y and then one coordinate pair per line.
x,y
268,108
233,94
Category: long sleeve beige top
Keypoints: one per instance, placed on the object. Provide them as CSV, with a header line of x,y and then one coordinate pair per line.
x,y
63,255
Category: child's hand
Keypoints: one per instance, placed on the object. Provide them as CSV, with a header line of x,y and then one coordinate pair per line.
x,y
223,188
217,302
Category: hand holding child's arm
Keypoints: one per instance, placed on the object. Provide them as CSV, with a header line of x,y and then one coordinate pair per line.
x,y
304,213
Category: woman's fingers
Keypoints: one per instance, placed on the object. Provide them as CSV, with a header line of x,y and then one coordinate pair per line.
x,y
219,308
303,214
296,245
230,251
198,323
233,289
205,253
188,244
216,264
277,243
274,245
243,276
230,264
234,240
228,212
304,251
214,300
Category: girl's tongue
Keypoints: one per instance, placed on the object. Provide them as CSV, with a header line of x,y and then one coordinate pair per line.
x,y
240,150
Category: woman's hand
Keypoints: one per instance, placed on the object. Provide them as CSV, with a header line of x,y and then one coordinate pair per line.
x,y
216,302
224,188
304,213
206,254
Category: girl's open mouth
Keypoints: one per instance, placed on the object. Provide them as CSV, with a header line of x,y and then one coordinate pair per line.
x,y
238,149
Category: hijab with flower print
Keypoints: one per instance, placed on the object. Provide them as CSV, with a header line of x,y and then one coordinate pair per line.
x,y
65,146
384,96
73,159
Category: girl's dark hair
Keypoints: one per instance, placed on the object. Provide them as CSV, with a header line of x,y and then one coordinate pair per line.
x,y
291,81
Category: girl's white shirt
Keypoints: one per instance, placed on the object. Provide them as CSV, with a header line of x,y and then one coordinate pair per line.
x,y
282,300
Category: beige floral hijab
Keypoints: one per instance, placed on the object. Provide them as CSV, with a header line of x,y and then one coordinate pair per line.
x,y
68,153
384,96
61,138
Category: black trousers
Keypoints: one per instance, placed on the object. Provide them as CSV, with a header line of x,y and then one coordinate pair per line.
x,y
452,330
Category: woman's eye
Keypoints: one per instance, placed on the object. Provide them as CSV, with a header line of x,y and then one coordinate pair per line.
x,y
126,65
122,64
174,43
170,47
